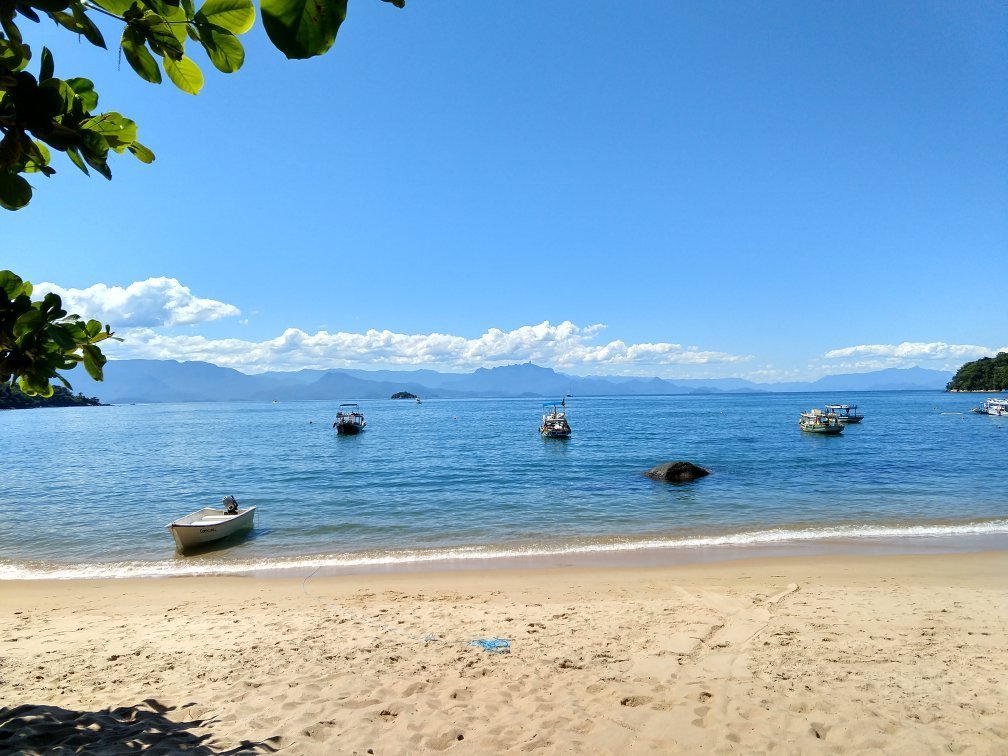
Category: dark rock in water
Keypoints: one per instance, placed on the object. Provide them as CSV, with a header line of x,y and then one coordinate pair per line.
x,y
677,472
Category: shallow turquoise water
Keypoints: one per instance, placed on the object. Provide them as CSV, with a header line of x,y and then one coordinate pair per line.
x,y
87,491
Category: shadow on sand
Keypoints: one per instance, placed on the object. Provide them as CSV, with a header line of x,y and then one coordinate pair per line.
x,y
32,729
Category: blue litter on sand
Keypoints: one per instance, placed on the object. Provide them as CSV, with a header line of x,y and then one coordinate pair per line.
x,y
493,645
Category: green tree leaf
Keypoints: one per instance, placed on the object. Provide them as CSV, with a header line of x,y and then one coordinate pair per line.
x,y
162,37
237,16
84,89
38,159
9,28
184,74
87,27
75,157
118,7
94,150
33,385
119,131
303,28
134,47
224,49
14,56
15,192
142,154
28,13
50,6
47,66
11,147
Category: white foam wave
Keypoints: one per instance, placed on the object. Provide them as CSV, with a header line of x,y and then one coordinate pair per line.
x,y
12,570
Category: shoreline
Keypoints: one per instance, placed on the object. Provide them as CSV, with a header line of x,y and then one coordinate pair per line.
x,y
800,654
656,553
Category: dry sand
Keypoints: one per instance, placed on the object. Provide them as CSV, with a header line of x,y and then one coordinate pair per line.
x,y
902,654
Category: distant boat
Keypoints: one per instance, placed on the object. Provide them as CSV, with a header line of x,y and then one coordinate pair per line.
x,y
817,421
418,400
993,406
210,524
349,420
844,413
554,420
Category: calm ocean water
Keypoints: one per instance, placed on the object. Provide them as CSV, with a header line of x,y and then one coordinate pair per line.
x,y
88,491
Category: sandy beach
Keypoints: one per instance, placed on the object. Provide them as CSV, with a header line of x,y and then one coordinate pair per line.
x,y
887,654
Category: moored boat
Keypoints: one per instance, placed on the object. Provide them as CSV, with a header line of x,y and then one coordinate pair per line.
x,y
210,524
817,421
554,420
844,413
993,406
349,420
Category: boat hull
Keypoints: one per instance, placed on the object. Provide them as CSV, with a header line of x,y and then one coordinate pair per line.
x,y
822,430
547,433
348,429
209,525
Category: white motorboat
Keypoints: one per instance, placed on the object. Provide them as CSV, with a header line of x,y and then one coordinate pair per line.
x,y
211,524
993,406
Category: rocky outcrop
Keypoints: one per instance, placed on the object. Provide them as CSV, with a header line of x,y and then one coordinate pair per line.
x,y
677,472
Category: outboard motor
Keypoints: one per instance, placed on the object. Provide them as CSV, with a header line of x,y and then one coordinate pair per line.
x,y
230,505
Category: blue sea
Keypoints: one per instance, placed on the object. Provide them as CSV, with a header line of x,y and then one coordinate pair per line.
x,y
87,492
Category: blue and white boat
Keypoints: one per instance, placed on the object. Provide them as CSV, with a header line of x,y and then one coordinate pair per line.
x,y
844,413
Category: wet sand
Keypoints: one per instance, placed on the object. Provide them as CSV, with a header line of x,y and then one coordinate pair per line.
x,y
832,654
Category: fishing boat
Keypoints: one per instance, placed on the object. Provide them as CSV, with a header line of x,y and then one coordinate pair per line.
x,y
210,524
349,420
554,420
993,406
817,421
844,413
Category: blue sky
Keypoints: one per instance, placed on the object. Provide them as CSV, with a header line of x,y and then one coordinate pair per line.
x,y
765,190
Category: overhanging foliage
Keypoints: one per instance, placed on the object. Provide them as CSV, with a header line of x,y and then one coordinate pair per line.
x,y
40,112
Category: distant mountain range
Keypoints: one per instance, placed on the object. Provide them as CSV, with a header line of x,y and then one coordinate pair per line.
x,y
169,381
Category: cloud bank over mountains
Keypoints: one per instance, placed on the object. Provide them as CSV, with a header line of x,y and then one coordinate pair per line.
x,y
564,346
146,314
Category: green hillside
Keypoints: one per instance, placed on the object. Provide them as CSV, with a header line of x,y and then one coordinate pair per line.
x,y
985,374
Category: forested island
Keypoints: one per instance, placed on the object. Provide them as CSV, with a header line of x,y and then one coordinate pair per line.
x,y
403,395
11,397
985,374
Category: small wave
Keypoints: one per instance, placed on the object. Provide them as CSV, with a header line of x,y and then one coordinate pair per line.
x,y
13,570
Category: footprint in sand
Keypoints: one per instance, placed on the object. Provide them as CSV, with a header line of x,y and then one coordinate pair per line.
x,y
634,700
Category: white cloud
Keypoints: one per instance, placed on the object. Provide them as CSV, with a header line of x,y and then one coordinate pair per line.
x,y
143,304
935,354
564,346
